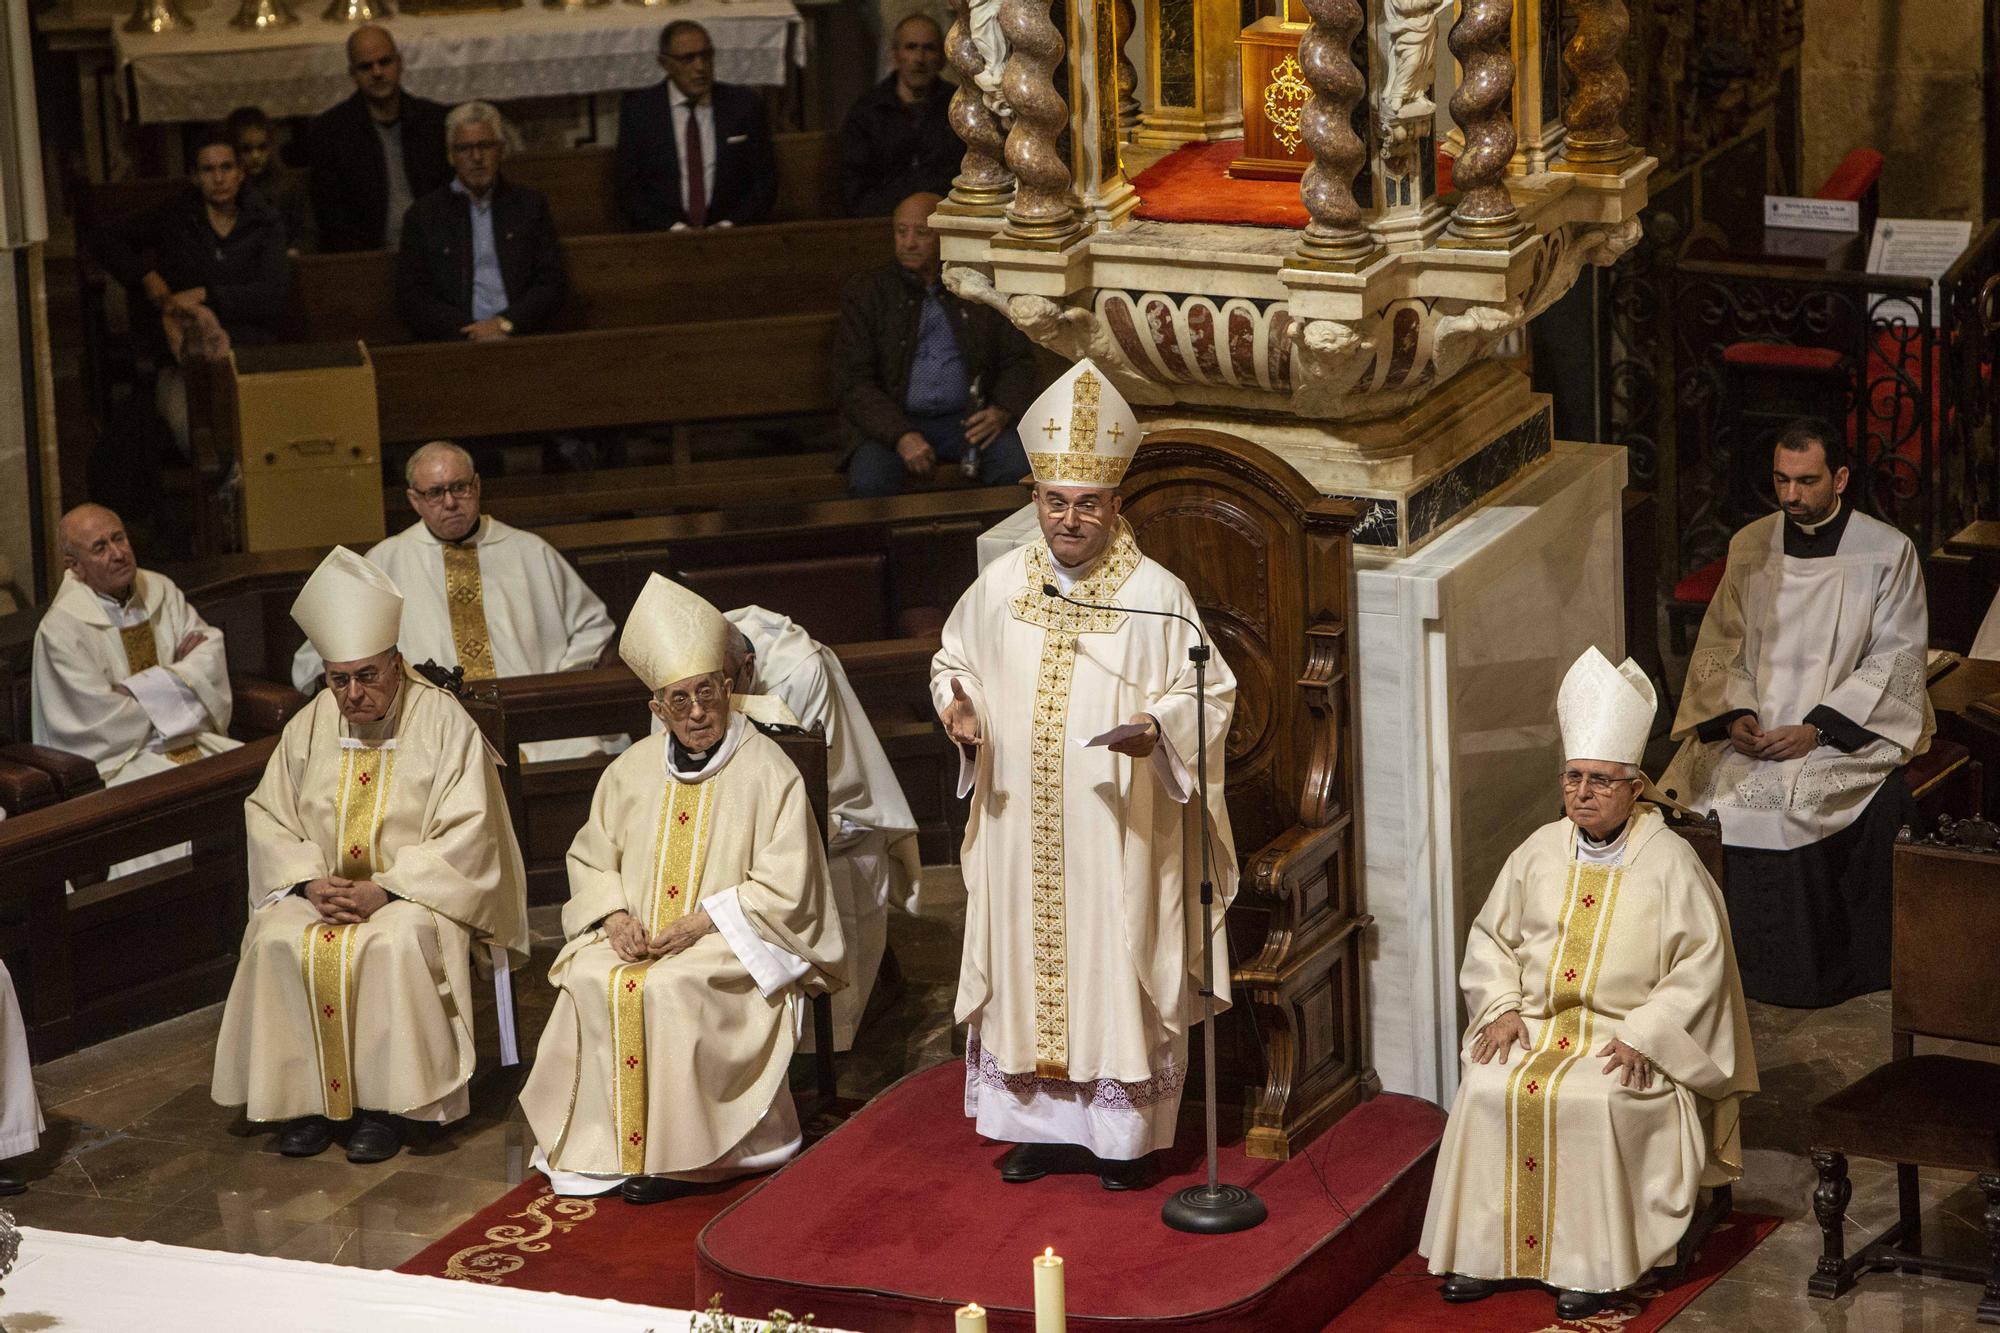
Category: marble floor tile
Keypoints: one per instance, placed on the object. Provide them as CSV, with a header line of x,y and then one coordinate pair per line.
x,y
418,1203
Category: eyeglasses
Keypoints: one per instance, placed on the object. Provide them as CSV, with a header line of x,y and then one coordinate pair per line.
x,y
1089,508
367,678
708,694
457,490
706,54
1597,784
476,146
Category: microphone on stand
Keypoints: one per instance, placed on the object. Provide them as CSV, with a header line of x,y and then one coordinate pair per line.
x,y
1215,1208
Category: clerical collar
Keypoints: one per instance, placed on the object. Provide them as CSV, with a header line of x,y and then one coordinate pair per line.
x,y
1598,844
1813,529
1819,540
686,760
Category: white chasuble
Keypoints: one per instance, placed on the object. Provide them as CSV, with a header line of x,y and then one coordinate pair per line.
x,y
1081,968
20,1112
1986,643
323,1018
501,603
872,844
1550,1169
677,1066
1785,635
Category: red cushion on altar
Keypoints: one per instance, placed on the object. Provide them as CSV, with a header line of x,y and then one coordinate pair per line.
x,y
1700,586
1854,177
1781,356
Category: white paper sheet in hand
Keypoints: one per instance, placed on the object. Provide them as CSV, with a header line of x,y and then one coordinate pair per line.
x,y
1125,731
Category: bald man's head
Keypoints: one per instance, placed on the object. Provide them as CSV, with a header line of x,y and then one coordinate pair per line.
x,y
377,68
95,548
916,54
916,243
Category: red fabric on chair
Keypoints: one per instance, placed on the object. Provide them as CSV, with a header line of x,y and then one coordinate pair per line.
x,y
1856,175
1700,586
1781,356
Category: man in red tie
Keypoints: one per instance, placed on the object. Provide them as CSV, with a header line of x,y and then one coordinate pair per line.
x,y
693,152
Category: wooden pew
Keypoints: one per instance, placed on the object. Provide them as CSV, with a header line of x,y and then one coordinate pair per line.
x,y
631,492
127,952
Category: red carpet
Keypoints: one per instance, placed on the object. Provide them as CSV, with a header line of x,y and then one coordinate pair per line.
x,y
1191,184
1406,1300
899,1216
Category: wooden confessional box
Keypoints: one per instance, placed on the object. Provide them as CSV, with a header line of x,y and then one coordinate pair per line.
x,y
1269,561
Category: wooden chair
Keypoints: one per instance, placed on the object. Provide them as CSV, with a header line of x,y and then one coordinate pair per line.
x,y
1932,1110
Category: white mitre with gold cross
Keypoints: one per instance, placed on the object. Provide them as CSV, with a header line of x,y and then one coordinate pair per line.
x,y
349,608
1081,431
1606,712
673,633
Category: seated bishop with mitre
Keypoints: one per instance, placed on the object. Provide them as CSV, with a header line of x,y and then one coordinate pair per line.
x,y
1608,1050
381,854
699,918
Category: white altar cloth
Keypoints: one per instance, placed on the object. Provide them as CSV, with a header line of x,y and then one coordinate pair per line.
x,y
94,1284
204,72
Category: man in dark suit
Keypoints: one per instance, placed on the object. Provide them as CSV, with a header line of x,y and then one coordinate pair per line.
x,y
693,152
479,258
375,153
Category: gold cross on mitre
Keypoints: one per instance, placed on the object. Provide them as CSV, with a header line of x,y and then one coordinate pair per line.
x,y
1100,434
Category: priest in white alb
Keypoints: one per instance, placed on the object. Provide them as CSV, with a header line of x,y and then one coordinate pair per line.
x,y
698,924
1805,697
381,860
1607,1051
20,1113
478,594
872,844
1080,975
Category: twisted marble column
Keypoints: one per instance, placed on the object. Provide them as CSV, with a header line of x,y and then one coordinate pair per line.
x,y
1041,211
1483,106
1125,15
1596,111
1335,233
983,184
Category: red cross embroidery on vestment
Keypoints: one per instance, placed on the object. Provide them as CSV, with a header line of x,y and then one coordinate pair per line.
x,y
354,852
631,985
635,1138
631,1062
682,818
1532,1242
1533,1087
328,937
367,778
327,1010
1590,900
1569,974
673,892
1563,1044
335,1085
1531,1164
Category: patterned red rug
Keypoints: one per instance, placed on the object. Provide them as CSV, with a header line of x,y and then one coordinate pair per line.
x,y
1405,1299
1192,184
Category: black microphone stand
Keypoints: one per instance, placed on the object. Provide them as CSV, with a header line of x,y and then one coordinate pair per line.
x,y
1215,1208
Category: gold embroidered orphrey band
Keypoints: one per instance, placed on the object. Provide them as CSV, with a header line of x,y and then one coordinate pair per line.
x,y
326,955
680,850
1565,1038
465,597
141,653
1061,622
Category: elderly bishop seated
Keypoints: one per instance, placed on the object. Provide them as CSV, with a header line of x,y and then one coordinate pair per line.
x,y
698,920
1608,1049
480,595
381,857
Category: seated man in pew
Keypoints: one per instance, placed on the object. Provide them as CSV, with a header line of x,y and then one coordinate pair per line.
x,y
698,917
375,153
479,258
126,673
1805,697
693,152
872,846
897,139
1603,939
380,855
925,377
492,599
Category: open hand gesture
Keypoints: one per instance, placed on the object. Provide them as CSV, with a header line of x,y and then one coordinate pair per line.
x,y
961,720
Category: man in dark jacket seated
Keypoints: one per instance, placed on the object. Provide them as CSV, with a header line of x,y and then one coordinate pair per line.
x,y
926,378
693,152
479,258
897,140
375,153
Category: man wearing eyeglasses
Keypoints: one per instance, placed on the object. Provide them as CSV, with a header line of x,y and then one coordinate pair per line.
x,y
697,923
479,259
1608,1049
375,153
693,152
481,595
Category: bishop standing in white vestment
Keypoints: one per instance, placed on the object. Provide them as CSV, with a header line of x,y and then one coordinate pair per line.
x,y
872,846
381,857
1608,1049
480,595
1081,969
1805,697
698,923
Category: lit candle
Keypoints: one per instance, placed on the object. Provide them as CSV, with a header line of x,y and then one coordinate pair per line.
x,y
971,1319
1049,1313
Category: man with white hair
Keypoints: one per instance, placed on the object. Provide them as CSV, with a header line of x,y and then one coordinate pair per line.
x,y
381,855
493,599
872,844
479,258
698,921
1603,939
1081,973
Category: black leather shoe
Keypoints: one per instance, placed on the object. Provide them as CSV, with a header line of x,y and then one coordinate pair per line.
x,y
1128,1174
376,1138
1460,1289
308,1136
650,1189
1578,1304
11,1185
1029,1161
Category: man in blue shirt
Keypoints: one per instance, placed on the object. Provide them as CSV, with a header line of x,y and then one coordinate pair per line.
x,y
480,258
